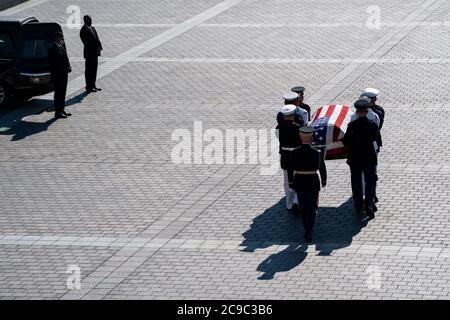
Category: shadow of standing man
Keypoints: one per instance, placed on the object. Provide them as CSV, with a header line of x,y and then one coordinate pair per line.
x,y
282,261
25,129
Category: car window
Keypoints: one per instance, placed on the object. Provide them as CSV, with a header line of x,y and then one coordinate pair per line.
x,y
36,48
6,46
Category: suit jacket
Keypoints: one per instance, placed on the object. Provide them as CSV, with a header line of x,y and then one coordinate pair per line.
x,y
91,42
58,60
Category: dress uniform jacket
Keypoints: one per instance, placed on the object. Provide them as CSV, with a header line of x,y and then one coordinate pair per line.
x,y
307,158
380,113
289,138
307,108
359,139
301,117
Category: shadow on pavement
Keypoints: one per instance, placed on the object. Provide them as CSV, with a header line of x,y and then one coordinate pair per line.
x,y
282,261
334,229
25,129
20,129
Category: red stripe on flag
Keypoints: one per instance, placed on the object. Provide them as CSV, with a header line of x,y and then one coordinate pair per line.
x,y
330,110
318,112
340,119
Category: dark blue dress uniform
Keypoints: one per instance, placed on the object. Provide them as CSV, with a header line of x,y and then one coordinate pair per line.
x,y
289,140
372,94
307,161
380,113
300,91
298,118
307,108
362,159
301,115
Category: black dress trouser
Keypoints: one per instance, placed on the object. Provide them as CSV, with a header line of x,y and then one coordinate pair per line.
x,y
90,72
60,87
370,177
309,202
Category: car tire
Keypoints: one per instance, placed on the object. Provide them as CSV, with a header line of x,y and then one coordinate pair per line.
x,y
5,94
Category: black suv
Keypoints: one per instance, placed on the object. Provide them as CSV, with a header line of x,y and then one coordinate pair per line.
x,y
24,66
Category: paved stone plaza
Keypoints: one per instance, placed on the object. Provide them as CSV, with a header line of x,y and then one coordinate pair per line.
x,y
99,191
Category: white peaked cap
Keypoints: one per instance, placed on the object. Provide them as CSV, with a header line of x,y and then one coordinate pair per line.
x,y
288,109
370,92
290,96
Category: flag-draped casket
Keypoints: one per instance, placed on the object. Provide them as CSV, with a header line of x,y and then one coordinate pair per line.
x,y
330,123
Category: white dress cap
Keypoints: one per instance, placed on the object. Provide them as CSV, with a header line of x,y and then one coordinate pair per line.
x,y
290,96
370,92
288,109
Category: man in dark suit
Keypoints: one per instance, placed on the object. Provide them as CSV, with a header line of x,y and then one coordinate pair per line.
x,y
59,70
91,52
362,158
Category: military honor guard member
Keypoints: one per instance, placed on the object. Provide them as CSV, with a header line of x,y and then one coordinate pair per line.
x,y
372,94
371,115
300,91
59,71
301,115
289,141
362,158
307,161
91,52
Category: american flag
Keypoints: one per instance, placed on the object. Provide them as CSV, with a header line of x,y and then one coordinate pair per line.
x,y
330,123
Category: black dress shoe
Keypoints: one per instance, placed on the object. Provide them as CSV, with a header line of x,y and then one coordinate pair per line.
x,y
370,213
98,89
90,90
60,116
67,114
